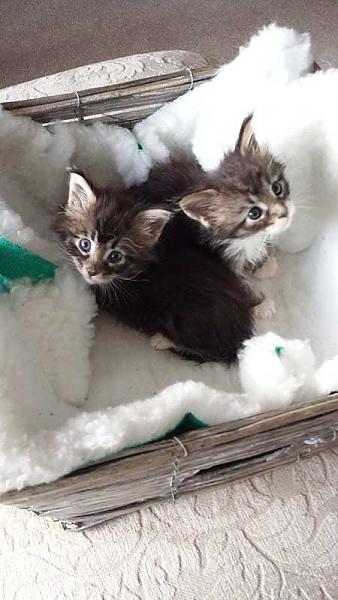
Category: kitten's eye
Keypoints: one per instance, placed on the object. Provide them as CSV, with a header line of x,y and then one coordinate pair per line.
x,y
255,213
85,245
277,188
115,256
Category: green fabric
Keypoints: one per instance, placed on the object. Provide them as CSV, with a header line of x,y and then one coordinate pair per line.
x,y
18,263
188,423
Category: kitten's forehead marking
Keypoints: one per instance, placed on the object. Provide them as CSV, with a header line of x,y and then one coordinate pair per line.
x,y
99,251
254,199
261,205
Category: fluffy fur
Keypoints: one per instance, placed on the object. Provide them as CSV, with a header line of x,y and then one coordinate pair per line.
x,y
109,154
240,207
195,301
215,110
247,205
25,196
44,455
59,345
152,275
273,58
205,122
42,438
304,136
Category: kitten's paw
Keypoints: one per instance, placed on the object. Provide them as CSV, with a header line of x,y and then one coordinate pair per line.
x,y
268,269
265,310
160,342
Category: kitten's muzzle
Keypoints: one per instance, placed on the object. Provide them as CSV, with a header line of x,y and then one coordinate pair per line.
x,y
91,272
279,212
283,219
93,277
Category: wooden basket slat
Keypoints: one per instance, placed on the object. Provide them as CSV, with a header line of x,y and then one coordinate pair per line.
x,y
140,96
124,118
258,422
129,87
210,437
215,455
206,439
216,477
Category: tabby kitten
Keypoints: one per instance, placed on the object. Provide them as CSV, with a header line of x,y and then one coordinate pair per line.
x,y
240,207
149,272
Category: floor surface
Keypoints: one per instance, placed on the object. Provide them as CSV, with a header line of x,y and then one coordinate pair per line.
x,y
41,37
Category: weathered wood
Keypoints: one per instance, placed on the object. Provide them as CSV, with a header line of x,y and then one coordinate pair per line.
x,y
215,478
199,459
122,103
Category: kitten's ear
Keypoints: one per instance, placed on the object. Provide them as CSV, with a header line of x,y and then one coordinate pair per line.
x,y
247,143
80,195
150,224
203,206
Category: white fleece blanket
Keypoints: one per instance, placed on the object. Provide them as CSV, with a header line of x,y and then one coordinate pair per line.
x,y
63,402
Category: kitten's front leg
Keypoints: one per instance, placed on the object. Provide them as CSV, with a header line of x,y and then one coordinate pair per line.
x,y
268,268
265,310
160,342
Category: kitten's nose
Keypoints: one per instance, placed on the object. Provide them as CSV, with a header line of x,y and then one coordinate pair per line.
x,y
91,272
279,212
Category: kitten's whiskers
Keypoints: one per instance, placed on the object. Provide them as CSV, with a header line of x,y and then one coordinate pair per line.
x,y
111,288
133,277
304,207
127,295
68,258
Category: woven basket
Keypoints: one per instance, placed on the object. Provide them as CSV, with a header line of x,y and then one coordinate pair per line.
x,y
199,459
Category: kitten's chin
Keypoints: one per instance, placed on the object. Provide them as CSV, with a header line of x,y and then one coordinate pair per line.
x,y
96,280
278,227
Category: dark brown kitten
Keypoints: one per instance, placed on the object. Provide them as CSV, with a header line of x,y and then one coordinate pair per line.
x,y
149,272
240,207
108,234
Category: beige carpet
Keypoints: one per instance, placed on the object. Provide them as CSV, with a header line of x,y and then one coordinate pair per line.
x,y
271,538
41,37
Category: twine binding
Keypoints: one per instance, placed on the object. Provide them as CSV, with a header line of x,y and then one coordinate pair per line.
x,y
78,108
176,465
191,78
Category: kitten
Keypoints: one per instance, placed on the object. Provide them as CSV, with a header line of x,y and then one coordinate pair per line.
x,y
240,207
148,271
